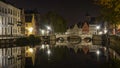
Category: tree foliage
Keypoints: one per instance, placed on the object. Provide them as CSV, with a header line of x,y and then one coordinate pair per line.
x,y
110,10
57,22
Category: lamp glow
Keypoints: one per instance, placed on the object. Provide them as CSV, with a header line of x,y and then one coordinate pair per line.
x,y
48,27
43,31
98,27
43,46
105,31
48,52
97,52
30,29
30,50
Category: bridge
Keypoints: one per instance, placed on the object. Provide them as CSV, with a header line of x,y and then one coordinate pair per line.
x,y
78,41
82,39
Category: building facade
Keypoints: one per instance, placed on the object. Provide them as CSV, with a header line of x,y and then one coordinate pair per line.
x,y
85,29
30,24
10,20
12,57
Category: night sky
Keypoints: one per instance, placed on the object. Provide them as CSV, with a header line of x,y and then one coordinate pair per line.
x,y
72,10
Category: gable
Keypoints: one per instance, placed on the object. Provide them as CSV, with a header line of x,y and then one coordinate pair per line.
x,y
85,27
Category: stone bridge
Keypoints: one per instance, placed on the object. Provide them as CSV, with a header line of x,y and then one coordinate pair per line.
x,y
84,39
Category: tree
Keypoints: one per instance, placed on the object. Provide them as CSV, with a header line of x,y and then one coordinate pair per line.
x,y
110,11
57,22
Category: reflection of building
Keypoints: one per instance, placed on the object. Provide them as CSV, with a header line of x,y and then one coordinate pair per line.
x,y
10,20
30,24
13,57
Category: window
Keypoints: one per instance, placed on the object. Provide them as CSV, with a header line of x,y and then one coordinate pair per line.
x,y
8,11
5,11
11,11
0,9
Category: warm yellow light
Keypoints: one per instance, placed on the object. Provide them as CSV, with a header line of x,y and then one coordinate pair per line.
x,y
30,29
30,50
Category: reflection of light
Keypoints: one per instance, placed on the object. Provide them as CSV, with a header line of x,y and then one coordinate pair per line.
x,y
100,32
97,52
105,31
30,50
47,46
30,29
43,46
48,52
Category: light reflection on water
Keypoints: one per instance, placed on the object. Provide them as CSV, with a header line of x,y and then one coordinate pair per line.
x,y
12,57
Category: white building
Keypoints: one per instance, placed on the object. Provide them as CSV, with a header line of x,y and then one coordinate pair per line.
x,y
85,29
9,20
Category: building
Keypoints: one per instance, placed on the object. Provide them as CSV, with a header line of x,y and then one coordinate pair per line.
x,y
88,26
85,29
30,24
10,27
10,20
12,57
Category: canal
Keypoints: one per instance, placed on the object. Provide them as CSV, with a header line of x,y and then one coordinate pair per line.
x,y
62,56
50,56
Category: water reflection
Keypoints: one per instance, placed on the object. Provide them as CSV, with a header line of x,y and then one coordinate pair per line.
x,y
62,56
12,57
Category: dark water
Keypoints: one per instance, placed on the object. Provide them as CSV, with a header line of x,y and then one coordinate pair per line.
x,y
63,57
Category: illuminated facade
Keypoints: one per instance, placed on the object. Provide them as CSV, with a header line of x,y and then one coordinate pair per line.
x,y
10,20
86,29
30,24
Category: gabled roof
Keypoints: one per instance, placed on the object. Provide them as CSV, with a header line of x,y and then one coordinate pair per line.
x,y
82,24
75,26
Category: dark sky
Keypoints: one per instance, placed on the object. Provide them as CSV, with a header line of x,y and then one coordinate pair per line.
x,y
72,10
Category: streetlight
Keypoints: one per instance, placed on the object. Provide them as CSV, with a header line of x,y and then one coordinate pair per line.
x,y
97,27
30,30
48,28
30,50
43,46
105,31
